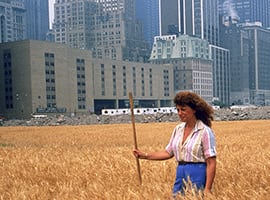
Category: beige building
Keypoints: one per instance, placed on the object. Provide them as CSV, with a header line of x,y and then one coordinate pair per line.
x,y
43,77
190,59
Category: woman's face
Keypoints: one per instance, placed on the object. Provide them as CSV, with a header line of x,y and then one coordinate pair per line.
x,y
185,113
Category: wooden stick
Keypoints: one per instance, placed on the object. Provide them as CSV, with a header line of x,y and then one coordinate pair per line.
x,y
134,134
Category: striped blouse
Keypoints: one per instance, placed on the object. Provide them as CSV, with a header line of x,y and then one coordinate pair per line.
x,y
199,145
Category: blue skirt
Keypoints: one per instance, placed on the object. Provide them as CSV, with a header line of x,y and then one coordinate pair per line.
x,y
195,172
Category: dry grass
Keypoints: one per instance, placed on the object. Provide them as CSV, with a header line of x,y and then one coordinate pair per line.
x,y
96,162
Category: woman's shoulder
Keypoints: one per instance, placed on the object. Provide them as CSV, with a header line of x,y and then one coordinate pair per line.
x,y
180,126
202,126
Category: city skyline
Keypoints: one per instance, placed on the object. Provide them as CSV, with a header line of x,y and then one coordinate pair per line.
x,y
109,37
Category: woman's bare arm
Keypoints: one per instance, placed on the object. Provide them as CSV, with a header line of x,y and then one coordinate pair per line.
x,y
210,173
160,155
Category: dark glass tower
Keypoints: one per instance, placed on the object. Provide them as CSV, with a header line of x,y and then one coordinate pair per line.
x,y
37,19
168,17
147,13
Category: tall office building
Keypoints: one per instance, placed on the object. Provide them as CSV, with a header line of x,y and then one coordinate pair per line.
x,y
117,34
237,41
259,62
246,10
169,18
250,60
147,13
191,17
12,20
72,23
199,18
221,74
109,28
246,35
37,19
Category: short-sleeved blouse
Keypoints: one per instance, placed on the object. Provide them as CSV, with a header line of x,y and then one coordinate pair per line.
x,y
198,146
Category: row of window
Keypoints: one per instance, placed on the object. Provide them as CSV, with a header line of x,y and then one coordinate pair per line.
x,y
166,83
81,91
203,87
8,79
114,79
124,81
50,78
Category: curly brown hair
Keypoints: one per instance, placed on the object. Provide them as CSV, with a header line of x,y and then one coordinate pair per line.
x,y
203,111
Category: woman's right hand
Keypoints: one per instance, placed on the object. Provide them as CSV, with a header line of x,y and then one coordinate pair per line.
x,y
139,154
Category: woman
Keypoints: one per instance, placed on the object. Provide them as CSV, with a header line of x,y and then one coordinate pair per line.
x,y
192,144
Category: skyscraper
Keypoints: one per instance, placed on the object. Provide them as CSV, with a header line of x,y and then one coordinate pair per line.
x,y
147,13
191,17
71,23
169,23
237,41
199,18
12,20
108,27
37,19
259,62
246,35
246,10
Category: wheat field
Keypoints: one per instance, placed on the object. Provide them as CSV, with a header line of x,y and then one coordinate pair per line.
x,y
96,162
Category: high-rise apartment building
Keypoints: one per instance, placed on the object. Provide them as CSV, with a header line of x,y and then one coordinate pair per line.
x,y
246,11
12,20
147,13
109,28
37,19
190,17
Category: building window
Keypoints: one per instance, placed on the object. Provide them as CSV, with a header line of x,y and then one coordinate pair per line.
x,y
124,81
134,81
150,82
166,85
114,80
142,82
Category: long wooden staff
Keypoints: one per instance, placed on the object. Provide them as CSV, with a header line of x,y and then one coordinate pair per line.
x,y
134,134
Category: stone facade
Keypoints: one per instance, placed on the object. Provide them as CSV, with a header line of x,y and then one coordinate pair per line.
x,y
44,77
